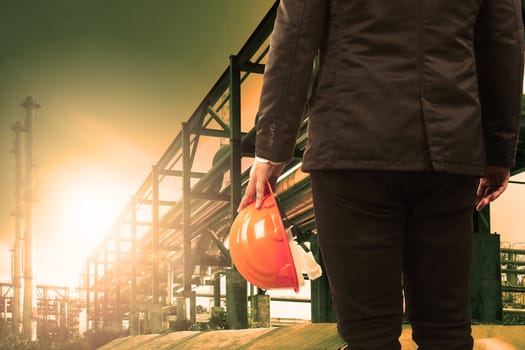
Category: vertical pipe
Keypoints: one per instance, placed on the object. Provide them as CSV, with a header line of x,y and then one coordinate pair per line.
x,y
133,302
46,303
87,280
169,283
118,316
68,317
186,221
18,225
96,313
105,295
155,232
29,106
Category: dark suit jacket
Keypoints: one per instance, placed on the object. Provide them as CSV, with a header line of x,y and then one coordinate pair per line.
x,y
403,84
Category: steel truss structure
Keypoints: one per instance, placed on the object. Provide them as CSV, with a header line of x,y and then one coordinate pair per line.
x,y
166,241
171,237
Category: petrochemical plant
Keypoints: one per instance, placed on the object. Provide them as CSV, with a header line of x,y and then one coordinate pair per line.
x,y
168,247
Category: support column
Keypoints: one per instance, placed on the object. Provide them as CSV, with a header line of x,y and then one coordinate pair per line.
x,y
261,308
96,303
235,134
133,315
485,294
155,232
155,308
186,222
169,283
217,290
117,311
105,296
87,281
236,301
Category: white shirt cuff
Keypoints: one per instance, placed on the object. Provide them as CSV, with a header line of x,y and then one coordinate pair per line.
x,y
266,161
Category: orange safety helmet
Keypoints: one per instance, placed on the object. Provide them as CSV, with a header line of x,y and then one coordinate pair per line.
x,y
260,248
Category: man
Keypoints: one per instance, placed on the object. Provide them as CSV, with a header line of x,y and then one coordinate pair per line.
x,y
414,101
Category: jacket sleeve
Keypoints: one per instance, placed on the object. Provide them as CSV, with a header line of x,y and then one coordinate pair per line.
x,y
499,59
294,43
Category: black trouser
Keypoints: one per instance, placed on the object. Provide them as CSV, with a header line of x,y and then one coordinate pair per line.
x,y
382,232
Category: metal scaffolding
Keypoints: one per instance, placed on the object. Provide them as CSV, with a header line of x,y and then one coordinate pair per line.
x,y
513,262
166,242
57,314
130,268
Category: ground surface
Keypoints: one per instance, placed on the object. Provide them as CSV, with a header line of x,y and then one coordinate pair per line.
x,y
317,336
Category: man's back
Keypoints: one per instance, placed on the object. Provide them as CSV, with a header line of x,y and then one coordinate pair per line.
x,y
398,83
430,86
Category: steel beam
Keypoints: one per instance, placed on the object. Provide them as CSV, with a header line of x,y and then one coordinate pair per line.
x,y
513,250
168,172
218,119
210,196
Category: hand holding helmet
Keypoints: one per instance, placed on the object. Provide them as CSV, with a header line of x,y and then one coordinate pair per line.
x,y
263,249
262,172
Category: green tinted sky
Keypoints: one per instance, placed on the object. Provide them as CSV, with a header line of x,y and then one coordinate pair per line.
x,y
113,77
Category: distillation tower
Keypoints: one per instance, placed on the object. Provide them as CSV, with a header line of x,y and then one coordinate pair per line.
x,y
18,297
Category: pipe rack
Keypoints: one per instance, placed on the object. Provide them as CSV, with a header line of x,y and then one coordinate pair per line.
x,y
164,230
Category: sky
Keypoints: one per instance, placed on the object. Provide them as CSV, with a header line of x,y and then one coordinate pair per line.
x,y
115,79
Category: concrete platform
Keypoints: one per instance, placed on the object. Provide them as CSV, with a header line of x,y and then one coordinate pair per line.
x,y
316,336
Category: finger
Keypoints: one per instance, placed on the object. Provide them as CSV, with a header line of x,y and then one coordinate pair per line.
x,y
481,192
259,193
482,204
248,195
494,195
482,188
490,197
244,202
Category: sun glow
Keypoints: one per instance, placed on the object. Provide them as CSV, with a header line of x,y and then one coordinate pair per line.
x,y
84,208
